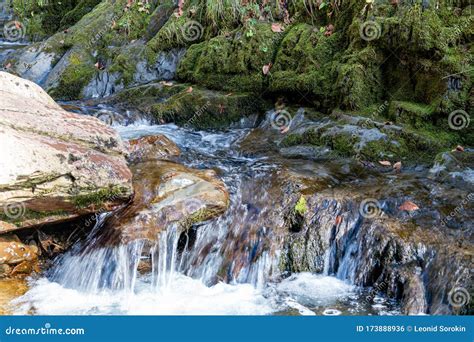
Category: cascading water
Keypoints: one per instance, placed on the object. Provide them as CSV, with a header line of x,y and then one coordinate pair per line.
x,y
228,265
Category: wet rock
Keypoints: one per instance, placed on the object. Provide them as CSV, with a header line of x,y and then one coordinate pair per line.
x,y
343,135
16,258
33,63
152,147
191,106
414,300
55,164
9,290
168,193
370,247
102,84
455,168
164,67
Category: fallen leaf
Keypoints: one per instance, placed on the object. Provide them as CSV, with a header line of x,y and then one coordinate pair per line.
x,y
338,220
284,129
459,148
8,66
408,206
266,68
61,42
18,25
397,166
189,90
277,28
166,84
385,163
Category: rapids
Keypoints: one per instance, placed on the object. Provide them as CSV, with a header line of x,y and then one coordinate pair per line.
x,y
224,266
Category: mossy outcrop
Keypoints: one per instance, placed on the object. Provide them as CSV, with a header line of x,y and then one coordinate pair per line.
x,y
408,61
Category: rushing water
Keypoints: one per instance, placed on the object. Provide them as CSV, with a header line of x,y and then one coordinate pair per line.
x,y
229,267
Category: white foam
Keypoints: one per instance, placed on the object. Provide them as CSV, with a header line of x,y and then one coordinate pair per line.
x,y
315,289
184,296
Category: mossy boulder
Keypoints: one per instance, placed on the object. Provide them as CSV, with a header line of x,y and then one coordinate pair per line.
x,y
203,108
231,62
303,65
352,135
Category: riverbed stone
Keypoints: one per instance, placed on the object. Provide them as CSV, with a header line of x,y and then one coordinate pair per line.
x,y
152,147
55,164
168,193
16,258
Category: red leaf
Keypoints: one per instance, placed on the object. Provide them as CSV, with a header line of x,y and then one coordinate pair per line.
x,y
408,206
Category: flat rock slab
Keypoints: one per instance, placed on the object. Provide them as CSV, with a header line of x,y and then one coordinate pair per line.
x,y
55,165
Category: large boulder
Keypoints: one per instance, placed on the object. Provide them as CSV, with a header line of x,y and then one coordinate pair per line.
x,y
54,165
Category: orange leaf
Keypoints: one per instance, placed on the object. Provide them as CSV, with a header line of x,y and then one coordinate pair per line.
x,y
338,220
277,28
385,163
408,206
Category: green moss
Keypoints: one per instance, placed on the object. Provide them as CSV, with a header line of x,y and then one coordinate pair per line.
x,y
301,206
304,64
202,108
413,114
231,62
75,77
359,78
41,17
31,215
73,16
99,197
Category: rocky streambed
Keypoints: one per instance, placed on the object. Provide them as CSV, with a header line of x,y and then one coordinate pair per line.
x,y
228,221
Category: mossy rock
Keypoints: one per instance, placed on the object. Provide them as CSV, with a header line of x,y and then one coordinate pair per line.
x,y
206,109
231,62
413,114
366,139
304,65
82,8
359,81
76,75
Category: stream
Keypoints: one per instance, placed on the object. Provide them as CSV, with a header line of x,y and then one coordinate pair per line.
x,y
94,279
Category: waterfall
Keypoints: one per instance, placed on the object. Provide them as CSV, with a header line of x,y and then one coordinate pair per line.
x,y
92,268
